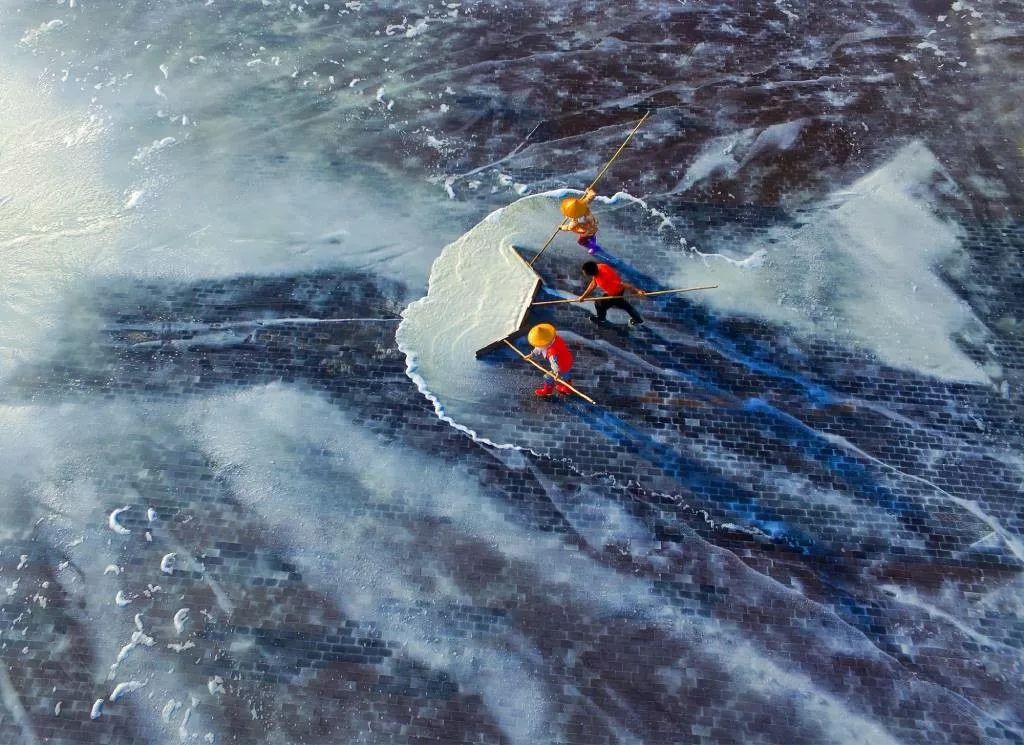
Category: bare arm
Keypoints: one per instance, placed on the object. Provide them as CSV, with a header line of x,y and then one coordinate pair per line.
x,y
590,289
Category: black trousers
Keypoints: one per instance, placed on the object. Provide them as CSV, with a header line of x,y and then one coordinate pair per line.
x,y
602,306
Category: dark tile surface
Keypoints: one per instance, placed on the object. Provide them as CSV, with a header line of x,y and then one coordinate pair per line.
x,y
758,536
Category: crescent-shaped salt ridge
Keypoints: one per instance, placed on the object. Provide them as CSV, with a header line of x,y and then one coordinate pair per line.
x,y
180,620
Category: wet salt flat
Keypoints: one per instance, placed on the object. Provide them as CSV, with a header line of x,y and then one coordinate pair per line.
x,y
252,488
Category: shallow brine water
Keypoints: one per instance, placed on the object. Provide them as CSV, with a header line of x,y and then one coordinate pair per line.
x,y
233,507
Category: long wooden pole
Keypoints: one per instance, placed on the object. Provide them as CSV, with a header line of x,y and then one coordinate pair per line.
x,y
584,396
548,242
613,297
617,152
593,184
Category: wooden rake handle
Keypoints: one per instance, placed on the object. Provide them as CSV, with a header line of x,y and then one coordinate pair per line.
x,y
613,297
617,152
593,183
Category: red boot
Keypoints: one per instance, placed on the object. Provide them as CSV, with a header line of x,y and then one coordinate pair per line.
x,y
545,390
563,388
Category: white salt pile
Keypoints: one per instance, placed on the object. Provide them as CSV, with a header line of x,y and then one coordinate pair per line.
x,y
168,562
180,619
479,292
123,689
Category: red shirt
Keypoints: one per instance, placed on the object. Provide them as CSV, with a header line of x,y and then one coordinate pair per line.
x,y
561,353
608,280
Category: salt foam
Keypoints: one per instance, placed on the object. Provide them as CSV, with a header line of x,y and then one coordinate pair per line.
x,y
862,268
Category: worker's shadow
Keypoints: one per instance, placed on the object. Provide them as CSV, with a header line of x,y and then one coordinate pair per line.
x,y
691,474
826,557
778,431
754,356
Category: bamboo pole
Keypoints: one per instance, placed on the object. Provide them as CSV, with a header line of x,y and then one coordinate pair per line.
x,y
548,241
613,297
593,183
622,147
584,396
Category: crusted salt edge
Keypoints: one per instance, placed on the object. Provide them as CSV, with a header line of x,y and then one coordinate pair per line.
x,y
421,385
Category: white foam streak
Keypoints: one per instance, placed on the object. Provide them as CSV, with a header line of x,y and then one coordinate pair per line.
x,y
1013,542
837,722
246,435
12,702
715,158
60,221
910,597
861,268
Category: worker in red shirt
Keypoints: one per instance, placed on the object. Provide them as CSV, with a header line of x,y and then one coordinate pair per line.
x,y
547,344
609,280
580,221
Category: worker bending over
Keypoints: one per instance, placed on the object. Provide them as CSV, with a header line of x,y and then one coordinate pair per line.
x,y
580,221
547,344
609,280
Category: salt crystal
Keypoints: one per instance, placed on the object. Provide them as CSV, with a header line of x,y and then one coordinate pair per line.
x,y
114,525
167,563
180,619
123,689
